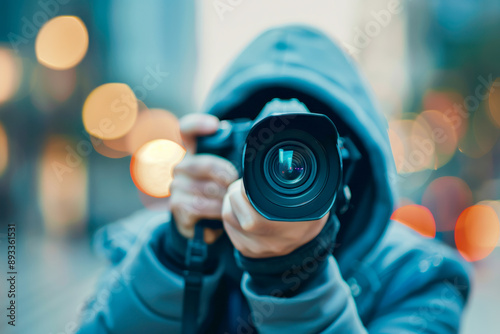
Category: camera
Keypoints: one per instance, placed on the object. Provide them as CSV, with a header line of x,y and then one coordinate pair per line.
x,y
291,160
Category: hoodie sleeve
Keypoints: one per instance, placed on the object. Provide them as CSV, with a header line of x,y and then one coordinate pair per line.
x,y
143,291
323,304
424,291
302,292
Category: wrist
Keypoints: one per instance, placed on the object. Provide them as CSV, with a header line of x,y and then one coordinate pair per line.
x,y
286,274
175,245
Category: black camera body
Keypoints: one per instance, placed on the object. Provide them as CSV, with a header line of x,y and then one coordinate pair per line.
x,y
291,160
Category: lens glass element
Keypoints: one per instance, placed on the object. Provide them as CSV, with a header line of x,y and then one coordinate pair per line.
x,y
291,166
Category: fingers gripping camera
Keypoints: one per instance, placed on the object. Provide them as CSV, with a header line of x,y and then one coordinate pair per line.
x,y
291,160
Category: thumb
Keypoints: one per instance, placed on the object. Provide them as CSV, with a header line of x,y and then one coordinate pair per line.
x,y
196,125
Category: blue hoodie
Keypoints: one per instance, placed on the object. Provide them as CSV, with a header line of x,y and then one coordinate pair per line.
x,y
376,276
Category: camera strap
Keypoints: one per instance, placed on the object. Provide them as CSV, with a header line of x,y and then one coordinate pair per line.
x,y
196,256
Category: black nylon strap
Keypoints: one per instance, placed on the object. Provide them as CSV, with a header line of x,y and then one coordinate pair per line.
x,y
196,255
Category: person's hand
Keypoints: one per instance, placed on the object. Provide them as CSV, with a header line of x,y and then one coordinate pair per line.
x,y
257,237
200,180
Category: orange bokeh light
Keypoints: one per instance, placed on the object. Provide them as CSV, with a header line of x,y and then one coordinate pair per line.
x,y
110,111
477,232
11,72
152,166
62,42
4,150
417,217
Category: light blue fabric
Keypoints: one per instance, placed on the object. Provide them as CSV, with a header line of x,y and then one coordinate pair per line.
x,y
382,277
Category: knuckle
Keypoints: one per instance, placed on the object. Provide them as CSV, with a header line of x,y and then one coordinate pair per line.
x,y
205,160
226,173
211,188
227,215
248,225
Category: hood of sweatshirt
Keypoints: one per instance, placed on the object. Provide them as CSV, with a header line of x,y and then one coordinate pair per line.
x,y
302,62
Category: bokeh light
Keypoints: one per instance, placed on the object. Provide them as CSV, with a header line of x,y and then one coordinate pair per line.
x,y
110,111
152,166
494,102
444,135
121,144
154,124
4,150
485,132
10,74
417,152
397,147
481,134
62,42
446,197
477,232
150,124
106,151
417,217
62,187
450,104
413,151
495,205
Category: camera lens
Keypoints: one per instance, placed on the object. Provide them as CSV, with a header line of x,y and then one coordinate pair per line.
x,y
290,166
295,174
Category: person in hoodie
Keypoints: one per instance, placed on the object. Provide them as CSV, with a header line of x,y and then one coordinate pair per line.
x,y
357,272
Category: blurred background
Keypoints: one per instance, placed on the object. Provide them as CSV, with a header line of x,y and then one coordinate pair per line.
x,y
434,67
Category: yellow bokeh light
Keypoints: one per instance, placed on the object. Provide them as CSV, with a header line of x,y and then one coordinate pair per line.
x,y
152,166
106,151
10,74
154,124
110,111
477,232
121,144
4,150
62,42
150,124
